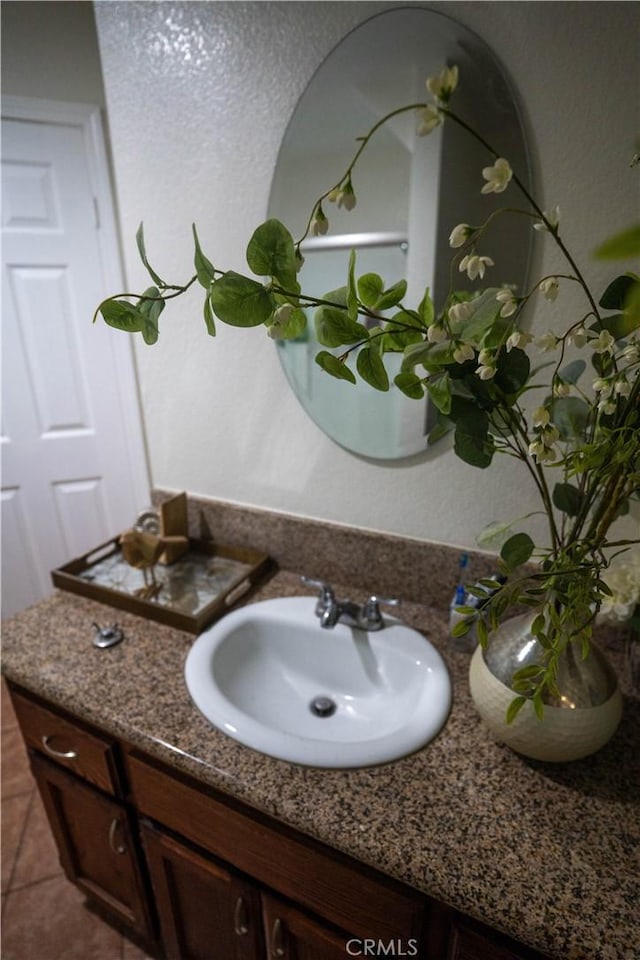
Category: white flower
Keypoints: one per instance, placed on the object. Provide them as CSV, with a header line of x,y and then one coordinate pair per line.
x,y
509,302
497,176
460,312
550,434
603,387
430,118
540,417
561,389
623,579
542,452
518,339
319,224
442,86
436,334
604,342
474,265
552,217
486,371
463,352
460,234
607,407
578,337
622,387
631,352
550,287
547,342
343,196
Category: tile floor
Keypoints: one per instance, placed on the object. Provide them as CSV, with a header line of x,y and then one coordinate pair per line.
x,y
43,915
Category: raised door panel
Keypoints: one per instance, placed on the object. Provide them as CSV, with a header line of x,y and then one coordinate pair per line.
x,y
96,844
206,911
292,935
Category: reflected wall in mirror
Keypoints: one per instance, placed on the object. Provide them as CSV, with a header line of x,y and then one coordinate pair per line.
x,y
411,191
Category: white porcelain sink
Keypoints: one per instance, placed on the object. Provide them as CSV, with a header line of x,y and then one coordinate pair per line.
x,y
255,674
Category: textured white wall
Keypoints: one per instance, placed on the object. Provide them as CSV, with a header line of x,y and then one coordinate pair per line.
x,y
199,95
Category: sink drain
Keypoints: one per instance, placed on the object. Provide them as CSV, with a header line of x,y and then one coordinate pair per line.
x,y
322,707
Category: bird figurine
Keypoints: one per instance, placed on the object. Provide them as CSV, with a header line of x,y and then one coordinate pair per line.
x,y
142,550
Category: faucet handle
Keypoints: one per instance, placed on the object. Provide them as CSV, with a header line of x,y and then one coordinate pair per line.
x,y
372,614
326,595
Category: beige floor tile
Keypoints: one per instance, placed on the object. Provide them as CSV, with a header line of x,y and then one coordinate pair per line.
x,y
16,775
14,816
38,855
48,921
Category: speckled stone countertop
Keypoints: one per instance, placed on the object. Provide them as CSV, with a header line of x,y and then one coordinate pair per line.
x,y
549,854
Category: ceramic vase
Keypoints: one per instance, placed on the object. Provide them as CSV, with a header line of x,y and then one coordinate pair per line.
x,y
576,723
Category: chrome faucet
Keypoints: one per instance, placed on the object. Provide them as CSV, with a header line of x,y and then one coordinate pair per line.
x,y
331,611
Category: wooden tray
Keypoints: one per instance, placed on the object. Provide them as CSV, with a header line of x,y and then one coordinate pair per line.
x,y
196,589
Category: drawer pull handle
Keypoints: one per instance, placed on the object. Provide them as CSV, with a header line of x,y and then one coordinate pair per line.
x,y
119,848
58,754
240,918
278,938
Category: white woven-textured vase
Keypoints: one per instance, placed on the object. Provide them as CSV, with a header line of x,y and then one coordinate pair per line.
x,y
574,725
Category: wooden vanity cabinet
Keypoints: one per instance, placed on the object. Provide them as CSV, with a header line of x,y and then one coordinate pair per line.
x,y
225,882
96,842
77,772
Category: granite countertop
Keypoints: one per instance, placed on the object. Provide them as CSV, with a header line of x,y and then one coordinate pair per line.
x,y
549,854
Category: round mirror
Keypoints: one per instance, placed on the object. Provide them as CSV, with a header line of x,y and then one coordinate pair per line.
x,y
411,191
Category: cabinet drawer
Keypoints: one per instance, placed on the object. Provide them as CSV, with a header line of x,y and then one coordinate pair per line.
x,y
87,754
328,883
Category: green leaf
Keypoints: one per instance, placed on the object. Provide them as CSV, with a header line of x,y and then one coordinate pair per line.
x,y
570,415
370,287
426,309
123,316
143,256
392,296
334,366
396,337
293,327
621,246
514,708
512,371
410,384
240,301
472,442
486,311
335,329
439,390
371,368
204,268
352,296
151,309
517,550
615,296
493,535
271,253
209,318
567,498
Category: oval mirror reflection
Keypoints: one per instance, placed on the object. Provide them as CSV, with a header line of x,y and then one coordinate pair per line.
x,y
411,191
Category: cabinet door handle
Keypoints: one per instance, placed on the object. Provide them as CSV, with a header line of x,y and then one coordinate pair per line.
x,y
58,754
278,938
119,848
240,918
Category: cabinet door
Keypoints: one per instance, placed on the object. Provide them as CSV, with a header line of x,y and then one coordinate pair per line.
x,y
95,843
206,911
292,935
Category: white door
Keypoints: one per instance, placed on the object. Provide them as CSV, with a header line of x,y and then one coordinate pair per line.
x,y
74,472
